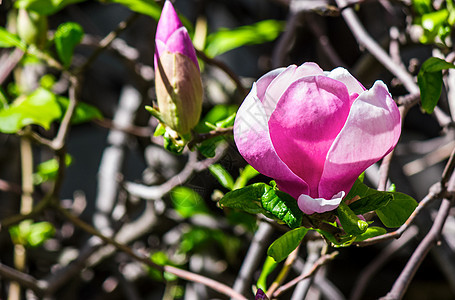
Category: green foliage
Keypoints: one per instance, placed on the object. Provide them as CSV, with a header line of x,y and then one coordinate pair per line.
x,y
44,7
197,239
223,176
31,234
146,7
220,116
187,202
160,258
246,175
436,24
285,244
228,39
262,198
268,267
67,37
370,233
48,170
397,211
40,108
349,220
430,82
7,40
83,113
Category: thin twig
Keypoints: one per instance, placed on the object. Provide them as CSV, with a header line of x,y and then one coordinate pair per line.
x,y
220,287
401,284
222,66
319,263
105,42
25,280
253,257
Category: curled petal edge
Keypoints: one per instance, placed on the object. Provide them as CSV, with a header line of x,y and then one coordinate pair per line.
x,y
311,205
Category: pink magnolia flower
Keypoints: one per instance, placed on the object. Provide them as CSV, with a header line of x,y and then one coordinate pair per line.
x,y
177,75
315,132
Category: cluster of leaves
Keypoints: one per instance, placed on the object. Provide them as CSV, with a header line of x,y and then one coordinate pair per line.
x,y
436,24
392,208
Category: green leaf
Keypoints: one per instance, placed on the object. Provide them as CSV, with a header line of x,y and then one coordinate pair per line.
x,y
247,199
67,37
370,233
283,207
285,244
268,267
223,176
429,80
262,198
397,211
83,113
218,113
7,40
40,108
187,202
349,220
48,170
146,7
422,6
44,7
246,175
229,121
228,39
371,202
31,234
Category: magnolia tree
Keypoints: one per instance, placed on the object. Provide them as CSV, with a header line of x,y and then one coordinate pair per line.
x,y
298,167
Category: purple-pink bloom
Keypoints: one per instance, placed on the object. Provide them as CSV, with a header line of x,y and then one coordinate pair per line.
x,y
315,132
172,36
177,76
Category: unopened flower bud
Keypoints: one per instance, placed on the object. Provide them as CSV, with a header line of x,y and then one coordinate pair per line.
x,y
177,75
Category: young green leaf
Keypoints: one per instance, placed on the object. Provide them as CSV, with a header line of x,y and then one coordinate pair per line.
x,y
187,202
67,37
31,234
262,198
247,199
146,7
83,113
48,170
283,207
40,108
371,232
228,39
44,7
268,267
371,202
285,244
429,80
246,175
397,211
349,220
223,176
7,40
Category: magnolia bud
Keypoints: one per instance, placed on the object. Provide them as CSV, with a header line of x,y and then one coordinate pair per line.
x,y
177,75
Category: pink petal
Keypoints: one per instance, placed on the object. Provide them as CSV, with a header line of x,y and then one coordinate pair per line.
x,y
252,138
179,42
263,82
168,23
281,83
341,74
306,121
371,131
319,205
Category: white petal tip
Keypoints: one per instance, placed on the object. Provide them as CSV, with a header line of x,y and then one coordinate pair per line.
x,y
319,205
